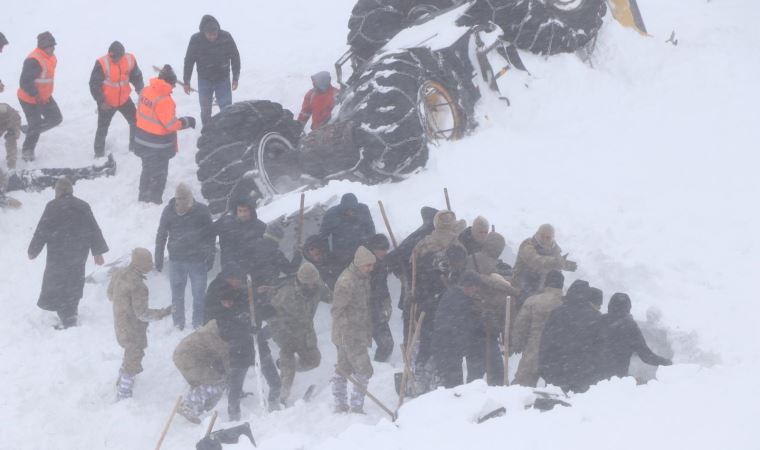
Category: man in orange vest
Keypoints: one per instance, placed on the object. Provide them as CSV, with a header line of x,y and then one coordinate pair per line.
x,y
109,86
35,93
156,134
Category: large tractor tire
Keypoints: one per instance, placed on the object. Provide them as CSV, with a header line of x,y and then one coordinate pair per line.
x,y
404,101
372,24
544,27
238,151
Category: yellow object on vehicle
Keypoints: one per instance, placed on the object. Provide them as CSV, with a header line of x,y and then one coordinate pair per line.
x,y
628,14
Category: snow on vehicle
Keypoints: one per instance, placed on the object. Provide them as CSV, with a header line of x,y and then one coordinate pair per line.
x,y
415,77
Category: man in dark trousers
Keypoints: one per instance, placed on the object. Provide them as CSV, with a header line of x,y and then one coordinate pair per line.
x,y
346,226
156,134
618,337
110,87
238,229
214,51
35,93
380,306
188,227
70,231
459,332
566,351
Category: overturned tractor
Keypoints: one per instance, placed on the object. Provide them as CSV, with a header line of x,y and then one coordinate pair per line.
x,y
416,67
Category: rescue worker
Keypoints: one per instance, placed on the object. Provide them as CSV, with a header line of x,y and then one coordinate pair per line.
x,y
35,93
156,134
352,331
110,87
529,324
535,258
345,227
295,303
319,102
131,314
69,230
473,236
214,52
10,127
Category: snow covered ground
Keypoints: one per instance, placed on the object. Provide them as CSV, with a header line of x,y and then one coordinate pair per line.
x,y
646,163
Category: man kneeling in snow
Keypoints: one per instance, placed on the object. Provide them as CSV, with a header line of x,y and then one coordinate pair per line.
x,y
131,315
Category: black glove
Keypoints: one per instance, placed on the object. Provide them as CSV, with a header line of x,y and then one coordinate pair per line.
x,y
159,264
188,122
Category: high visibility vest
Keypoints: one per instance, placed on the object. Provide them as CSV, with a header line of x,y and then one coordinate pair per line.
x,y
156,111
45,81
116,88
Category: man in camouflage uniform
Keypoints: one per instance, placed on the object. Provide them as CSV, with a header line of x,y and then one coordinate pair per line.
x,y
352,330
535,258
131,315
10,127
203,359
292,327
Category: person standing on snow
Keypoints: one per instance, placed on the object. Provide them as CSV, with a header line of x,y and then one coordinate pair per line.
x,y
319,102
188,227
156,134
109,86
352,331
35,93
345,227
69,230
131,314
213,51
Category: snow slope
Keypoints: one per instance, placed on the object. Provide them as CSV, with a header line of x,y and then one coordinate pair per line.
x,y
645,162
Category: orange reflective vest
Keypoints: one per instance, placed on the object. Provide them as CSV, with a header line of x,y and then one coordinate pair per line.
x,y
116,88
45,81
156,111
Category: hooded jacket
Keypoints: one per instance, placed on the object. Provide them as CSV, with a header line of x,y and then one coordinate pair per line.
x,y
213,59
533,262
346,233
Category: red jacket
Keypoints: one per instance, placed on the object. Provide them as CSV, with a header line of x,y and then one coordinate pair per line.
x,y
318,105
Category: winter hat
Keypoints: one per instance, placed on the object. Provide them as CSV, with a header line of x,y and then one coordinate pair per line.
x,y
308,274
494,244
555,279
444,220
480,225
595,296
183,199
321,80
116,50
45,40
167,74
378,242
63,187
349,201
3,40
362,257
209,24
142,260
620,305
577,292
275,231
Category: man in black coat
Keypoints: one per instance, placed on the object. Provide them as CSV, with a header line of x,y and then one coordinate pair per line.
x,y
214,51
70,231
618,337
566,352
459,332
380,306
187,226
346,226
269,262
238,229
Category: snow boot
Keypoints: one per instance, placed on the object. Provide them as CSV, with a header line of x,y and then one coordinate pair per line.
x,y
339,389
212,393
357,395
192,404
124,385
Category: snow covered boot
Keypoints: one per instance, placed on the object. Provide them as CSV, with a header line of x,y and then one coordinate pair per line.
x,y
124,385
340,394
357,395
191,405
212,393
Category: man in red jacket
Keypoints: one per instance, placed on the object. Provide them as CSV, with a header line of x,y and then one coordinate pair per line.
x,y
319,101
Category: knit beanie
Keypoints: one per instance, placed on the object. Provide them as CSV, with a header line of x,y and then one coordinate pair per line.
x,y
167,74
308,274
45,40
362,257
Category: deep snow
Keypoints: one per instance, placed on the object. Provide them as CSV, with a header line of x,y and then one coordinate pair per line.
x,y
645,162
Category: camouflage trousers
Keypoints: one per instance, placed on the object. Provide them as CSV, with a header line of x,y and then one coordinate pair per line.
x,y
124,385
201,398
340,391
10,127
132,362
309,358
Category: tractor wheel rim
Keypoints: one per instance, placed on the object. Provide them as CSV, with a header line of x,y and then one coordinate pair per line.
x,y
438,112
567,5
271,150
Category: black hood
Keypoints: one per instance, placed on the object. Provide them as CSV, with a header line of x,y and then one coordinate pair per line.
x,y
209,23
620,305
243,201
578,292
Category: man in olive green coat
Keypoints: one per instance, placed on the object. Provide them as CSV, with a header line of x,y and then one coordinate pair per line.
x,y
203,359
131,315
352,330
292,328
529,324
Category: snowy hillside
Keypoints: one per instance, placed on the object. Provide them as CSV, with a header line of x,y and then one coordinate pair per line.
x,y
646,163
